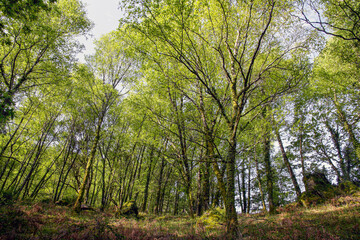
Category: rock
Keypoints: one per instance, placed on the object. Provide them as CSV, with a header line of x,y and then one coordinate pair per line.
x,y
318,189
315,181
66,201
211,218
129,209
86,207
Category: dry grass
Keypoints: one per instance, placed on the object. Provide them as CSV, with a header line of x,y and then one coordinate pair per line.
x,y
338,219
333,220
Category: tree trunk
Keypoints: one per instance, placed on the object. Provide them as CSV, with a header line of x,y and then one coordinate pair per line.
x,y
148,175
232,227
335,139
200,200
249,185
259,180
269,173
288,165
347,127
243,188
177,198
159,186
90,159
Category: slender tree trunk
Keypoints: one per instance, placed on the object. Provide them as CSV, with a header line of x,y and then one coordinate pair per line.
x,y
231,215
240,192
200,200
162,198
259,181
159,186
177,198
249,190
347,127
288,165
335,139
90,159
206,186
301,151
243,187
148,176
269,173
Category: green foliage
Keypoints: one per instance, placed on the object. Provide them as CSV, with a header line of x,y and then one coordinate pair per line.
x,y
212,218
38,48
348,188
21,9
168,109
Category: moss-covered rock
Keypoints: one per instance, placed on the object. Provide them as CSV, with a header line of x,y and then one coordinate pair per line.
x,y
316,181
318,189
67,201
212,218
128,210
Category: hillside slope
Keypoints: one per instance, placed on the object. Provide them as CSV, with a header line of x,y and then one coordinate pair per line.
x,y
338,218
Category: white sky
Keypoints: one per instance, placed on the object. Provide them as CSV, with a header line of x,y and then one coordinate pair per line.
x,y
105,15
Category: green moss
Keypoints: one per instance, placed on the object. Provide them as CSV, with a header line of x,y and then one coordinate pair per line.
x,y
212,218
319,190
348,187
129,209
309,199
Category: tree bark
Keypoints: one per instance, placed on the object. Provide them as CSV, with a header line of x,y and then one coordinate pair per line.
x,y
269,172
90,159
288,165
259,181
148,176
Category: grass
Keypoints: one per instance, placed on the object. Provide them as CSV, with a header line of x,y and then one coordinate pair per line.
x,y
339,218
333,220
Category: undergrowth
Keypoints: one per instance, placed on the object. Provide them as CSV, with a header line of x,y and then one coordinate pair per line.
x,y
339,218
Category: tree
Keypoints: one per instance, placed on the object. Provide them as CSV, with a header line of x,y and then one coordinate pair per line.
x,y
111,71
38,48
337,18
230,56
340,20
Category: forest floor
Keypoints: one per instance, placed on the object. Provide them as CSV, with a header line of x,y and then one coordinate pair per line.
x,y
337,219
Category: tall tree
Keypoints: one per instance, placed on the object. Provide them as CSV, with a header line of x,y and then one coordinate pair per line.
x,y
230,56
112,72
37,46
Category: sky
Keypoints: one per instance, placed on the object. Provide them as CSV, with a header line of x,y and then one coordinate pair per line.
x,y
105,15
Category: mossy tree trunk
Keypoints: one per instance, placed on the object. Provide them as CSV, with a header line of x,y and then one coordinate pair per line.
x,y
148,177
210,158
90,159
159,186
269,172
231,215
243,187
